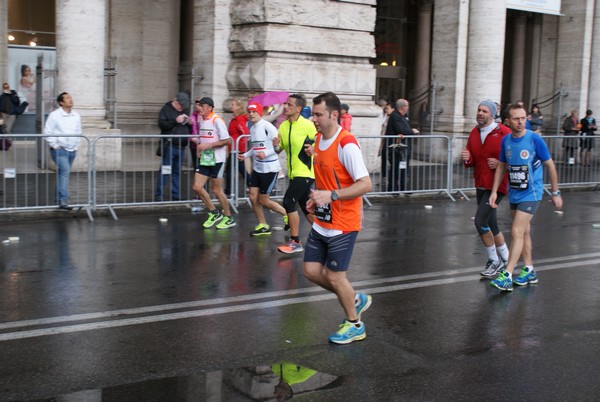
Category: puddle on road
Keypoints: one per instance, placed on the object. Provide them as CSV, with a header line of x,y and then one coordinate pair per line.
x,y
277,382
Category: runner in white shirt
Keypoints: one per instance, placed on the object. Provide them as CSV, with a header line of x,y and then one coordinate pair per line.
x,y
213,139
266,166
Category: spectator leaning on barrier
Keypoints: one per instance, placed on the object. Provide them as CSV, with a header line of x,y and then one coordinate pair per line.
x,y
172,120
63,150
571,128
399,156
588,130
9,105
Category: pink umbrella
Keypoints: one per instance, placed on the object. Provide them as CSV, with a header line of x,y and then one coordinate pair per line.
x,y
271,98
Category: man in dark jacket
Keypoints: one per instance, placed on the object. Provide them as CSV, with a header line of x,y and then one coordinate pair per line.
x,y
9,104
173,122
399,149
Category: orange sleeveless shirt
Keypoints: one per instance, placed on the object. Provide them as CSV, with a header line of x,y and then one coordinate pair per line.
x,y
330,174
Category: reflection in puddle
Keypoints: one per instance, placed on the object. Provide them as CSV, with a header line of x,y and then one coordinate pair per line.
x,y
278,382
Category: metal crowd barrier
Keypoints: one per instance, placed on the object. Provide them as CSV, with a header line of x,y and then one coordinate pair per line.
x,y
28,178
113,171
565,154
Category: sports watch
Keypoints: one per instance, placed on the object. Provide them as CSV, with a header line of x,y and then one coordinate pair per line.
x,y
334,196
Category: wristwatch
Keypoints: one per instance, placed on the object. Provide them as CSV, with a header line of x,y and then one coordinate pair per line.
x,y
555,193
334,196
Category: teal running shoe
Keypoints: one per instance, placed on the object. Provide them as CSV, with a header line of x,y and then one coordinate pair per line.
x,y
349,333
503,282
525,277
363,303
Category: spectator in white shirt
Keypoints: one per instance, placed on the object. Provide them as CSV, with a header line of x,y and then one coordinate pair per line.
x,y
63,128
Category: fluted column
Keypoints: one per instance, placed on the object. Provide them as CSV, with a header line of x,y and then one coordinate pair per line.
x,y
80,53
423,56
594,94
574,52
3,40
536,54
485,55
517,73
211,53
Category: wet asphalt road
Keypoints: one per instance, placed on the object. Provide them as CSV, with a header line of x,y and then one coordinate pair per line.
x,y
139,310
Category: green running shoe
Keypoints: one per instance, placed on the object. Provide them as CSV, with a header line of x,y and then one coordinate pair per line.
x,y
212,219
261,230
226,223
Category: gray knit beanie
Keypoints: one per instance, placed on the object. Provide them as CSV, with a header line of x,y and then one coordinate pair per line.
x,y
490,105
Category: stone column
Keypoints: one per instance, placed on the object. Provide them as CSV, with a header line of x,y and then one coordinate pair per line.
x,y
449,52
212,27
517,73
574,52
536,54
485,55
546,79
423,56
594,94
80,53
3,41
144,39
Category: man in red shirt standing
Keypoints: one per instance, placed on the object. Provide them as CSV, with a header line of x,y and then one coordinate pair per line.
x,y
482,153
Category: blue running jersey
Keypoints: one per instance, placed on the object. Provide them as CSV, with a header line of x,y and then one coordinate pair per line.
x,y
524,157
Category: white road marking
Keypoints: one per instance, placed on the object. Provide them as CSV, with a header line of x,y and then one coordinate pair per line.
x,y
121,322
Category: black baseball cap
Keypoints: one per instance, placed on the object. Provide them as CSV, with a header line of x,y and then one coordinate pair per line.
x,y
207,101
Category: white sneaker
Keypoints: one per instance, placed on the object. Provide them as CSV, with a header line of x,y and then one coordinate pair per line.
x,y
492,268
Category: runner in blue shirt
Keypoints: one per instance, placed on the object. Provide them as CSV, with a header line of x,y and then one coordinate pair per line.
x,y
522,154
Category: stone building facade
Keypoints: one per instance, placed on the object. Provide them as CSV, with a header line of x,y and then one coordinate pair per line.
x,y
467,50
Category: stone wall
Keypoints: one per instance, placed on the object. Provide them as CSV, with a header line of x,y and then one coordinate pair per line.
x,y
3,41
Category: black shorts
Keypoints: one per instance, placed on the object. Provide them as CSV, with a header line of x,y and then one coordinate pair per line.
x,y
297,193
216,171
264,181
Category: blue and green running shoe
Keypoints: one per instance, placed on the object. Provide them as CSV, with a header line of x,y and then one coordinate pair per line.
x,y
348,333
363,303
526,276
503,281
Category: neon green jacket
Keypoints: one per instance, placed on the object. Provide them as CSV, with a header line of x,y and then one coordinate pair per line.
x,y
293,137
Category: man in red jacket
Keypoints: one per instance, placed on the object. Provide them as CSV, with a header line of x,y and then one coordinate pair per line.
x,y
482,153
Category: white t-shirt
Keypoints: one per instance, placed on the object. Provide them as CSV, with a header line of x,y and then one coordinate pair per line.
x,y
262,134
213,129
